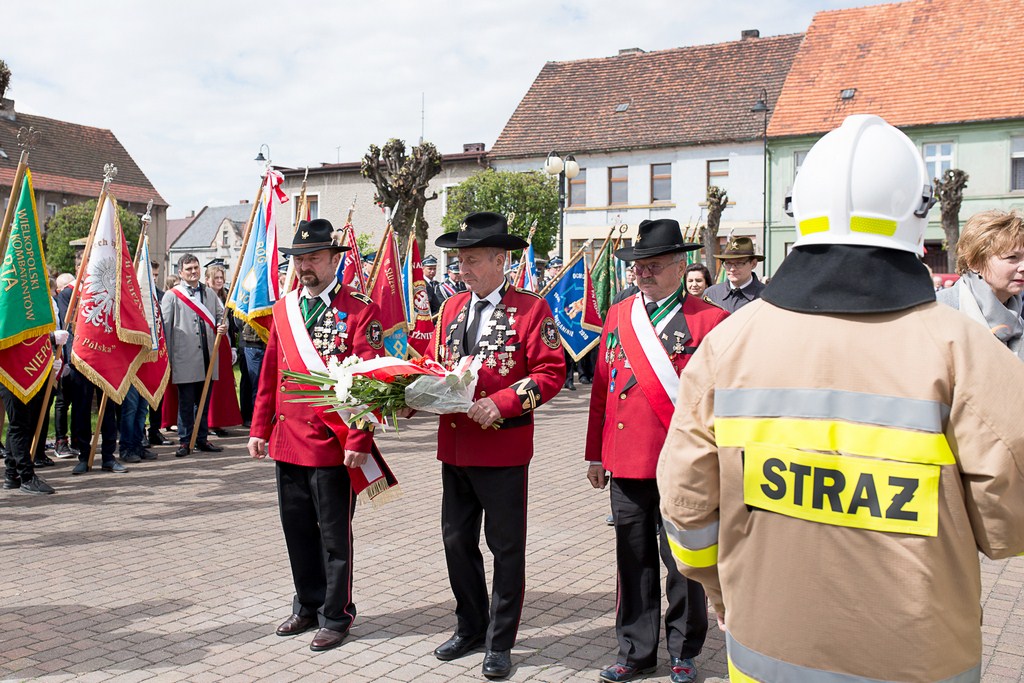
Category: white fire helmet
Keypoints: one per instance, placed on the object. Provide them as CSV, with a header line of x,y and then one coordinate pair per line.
x,y
865,184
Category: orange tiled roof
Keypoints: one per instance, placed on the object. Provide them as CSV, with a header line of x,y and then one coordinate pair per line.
x,y
70,157
915,63
683,96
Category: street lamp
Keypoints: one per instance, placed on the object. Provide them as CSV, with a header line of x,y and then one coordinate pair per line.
x,y
263,159
761,107
565,170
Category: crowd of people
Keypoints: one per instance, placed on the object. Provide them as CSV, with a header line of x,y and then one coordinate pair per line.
x,y
811,455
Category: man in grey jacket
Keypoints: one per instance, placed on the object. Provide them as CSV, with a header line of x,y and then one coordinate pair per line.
x,y
193,316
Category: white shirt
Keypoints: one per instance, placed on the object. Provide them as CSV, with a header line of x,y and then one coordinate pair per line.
x,y
492,299
324,296
749,280
660,327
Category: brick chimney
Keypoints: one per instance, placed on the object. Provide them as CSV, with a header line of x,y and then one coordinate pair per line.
x,y
630,51
749,33
7,109
473,147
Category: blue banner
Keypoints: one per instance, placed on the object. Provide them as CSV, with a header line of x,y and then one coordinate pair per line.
x,y
567,298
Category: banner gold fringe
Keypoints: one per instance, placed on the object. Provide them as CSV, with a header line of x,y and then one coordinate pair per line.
x,y
379,493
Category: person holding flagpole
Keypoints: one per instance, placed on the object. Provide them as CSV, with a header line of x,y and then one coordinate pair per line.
x,y
322,464
485,454
193,315
647,340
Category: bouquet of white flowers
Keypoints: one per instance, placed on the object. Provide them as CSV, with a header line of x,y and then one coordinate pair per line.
x,y
377,389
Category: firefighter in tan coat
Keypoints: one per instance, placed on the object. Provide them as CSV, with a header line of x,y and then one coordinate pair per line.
x,y
842,450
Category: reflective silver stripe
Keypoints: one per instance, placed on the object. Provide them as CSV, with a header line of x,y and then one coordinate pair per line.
x,y
770,670
697,539
852,406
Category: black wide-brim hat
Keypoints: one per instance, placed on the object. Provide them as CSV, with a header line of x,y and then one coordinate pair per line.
x,y
310,236
655,238
481,229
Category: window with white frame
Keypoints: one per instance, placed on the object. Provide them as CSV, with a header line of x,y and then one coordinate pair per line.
x,y
938,157
578,189
618,185
444,197
1017,163
798,161
661,183
51,210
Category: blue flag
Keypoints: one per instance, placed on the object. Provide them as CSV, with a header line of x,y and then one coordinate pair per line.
x,y
254,293
572,302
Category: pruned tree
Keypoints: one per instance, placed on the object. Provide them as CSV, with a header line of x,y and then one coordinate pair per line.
x,y
949,190
531,196
73,222
717,201
402,179
5,78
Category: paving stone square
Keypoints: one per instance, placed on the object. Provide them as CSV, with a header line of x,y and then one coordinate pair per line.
x,y
177,571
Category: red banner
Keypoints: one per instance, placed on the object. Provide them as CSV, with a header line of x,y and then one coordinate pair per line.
x,y
421,325
112,336
25,366
386,292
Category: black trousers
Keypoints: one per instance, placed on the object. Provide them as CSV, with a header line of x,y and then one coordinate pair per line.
x,y
246,392
317,504
639,554
155,417
78,393
498,496
21,427
188,399
60,412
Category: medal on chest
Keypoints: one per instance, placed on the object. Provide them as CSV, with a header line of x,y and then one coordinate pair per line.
x,y
496,344
330,335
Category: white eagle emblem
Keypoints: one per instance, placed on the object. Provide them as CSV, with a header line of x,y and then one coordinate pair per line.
x,y
101,288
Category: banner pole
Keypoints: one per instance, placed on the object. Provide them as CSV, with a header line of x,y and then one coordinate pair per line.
x,y
96,434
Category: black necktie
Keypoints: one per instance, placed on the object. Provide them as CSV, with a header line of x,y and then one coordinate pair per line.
x,y
474,325
651,308
192,291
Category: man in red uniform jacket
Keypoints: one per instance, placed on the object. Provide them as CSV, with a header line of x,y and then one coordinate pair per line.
x,y
485,462
313,448
646,342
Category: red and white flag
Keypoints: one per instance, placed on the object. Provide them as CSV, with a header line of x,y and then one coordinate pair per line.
x,y
152,376
112,337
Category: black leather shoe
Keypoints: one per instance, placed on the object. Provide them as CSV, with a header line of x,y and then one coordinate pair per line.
x,y
131,457
113,466
497,664
80,468
181,452
618,673
294,625
457,646
327,639
43,461
157,439
12,482
146,454
207,447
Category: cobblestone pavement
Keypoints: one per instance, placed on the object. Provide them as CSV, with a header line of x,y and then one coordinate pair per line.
x,y
177,571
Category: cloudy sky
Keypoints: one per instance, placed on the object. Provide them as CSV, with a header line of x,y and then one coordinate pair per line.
x,y
193,88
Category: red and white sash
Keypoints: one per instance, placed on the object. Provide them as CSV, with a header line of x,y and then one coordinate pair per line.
x,y
649,361
374,478
202,311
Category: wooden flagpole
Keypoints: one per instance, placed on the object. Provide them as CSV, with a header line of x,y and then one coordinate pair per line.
x,y
300,210
380,250
234,283
109,173
27,139
522,259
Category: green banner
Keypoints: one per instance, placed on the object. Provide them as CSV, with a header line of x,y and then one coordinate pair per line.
x,y
605,279
26,305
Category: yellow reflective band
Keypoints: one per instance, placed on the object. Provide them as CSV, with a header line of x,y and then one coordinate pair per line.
x,y
705,557
812,225
871,441
737,676
840,490
874,226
